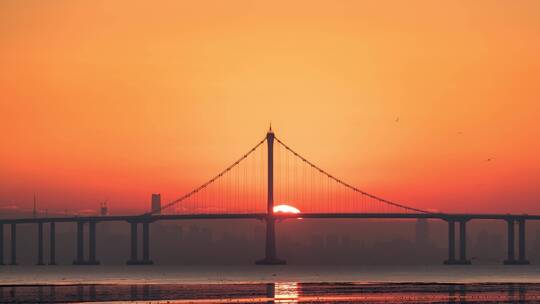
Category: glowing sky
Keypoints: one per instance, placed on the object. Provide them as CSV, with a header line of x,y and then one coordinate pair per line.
x,y
116,100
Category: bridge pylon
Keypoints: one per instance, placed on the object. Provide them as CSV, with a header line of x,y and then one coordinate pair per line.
x,y
270,257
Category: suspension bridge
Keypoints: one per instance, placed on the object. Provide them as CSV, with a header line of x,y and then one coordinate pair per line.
x,y
270,172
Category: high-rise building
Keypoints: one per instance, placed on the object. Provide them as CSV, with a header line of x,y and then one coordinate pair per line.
x,y
103,228
156,203
34,211
104,211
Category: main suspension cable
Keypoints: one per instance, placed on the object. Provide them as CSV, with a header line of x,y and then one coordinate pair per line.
x,y
380,199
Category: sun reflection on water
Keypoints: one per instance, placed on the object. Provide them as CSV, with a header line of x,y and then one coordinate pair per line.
x,y
286,292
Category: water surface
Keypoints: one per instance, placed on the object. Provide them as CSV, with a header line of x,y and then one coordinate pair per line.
x,y
270,284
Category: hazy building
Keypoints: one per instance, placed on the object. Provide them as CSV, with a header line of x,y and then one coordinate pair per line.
x,y
488,248
104,210
156,203
332,241
34,211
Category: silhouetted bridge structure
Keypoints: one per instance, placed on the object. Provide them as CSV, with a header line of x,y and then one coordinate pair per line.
x,y
233,194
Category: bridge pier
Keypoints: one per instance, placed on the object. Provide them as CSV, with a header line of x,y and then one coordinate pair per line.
x,y
91,244
80,244
52,244
510,260
134,257
13,244
133,244
270,257
40,244
462,243
521,225
451,243
146,241
511,244
1,244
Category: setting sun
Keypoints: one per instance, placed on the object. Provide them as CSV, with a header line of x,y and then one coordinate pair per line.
x,y
285,209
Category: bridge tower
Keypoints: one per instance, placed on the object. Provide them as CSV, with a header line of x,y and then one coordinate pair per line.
x,y
270,251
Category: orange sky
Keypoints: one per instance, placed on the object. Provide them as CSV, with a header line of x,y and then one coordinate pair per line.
x,y
115,99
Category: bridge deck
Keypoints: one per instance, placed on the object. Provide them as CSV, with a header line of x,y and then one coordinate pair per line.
x,y
261,216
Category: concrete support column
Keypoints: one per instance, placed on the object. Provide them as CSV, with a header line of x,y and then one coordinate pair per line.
x,y
510,243
1,244
134,259
52,244
451,243
146,242
521,233
270,257
92,244
40,244
270,251
13,244
134,245
80,244
463,243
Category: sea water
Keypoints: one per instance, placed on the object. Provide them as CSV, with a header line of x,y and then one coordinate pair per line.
x,y
271,284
